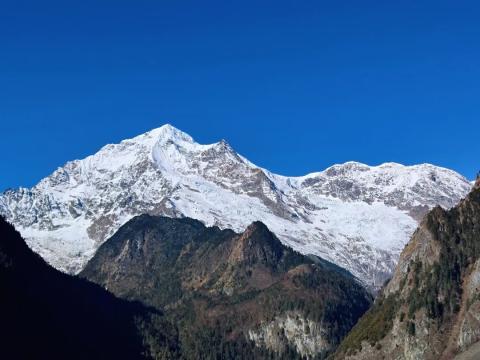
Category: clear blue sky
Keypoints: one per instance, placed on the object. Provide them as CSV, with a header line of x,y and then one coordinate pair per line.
x,y
295,86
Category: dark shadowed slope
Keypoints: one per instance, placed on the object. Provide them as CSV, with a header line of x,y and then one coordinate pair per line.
x,y
233,295
45,314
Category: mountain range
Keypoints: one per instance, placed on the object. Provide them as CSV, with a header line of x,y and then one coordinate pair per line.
x,y
168,259
357,216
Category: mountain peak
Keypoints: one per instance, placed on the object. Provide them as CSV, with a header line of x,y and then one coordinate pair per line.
x,y
257,226
168,132
258,243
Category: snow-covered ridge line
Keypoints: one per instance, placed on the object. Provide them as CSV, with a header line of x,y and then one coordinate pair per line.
x,y
360,165
355,215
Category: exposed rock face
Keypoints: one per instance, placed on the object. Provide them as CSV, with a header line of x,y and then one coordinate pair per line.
x,y
307,337
243,287
354,215
431,307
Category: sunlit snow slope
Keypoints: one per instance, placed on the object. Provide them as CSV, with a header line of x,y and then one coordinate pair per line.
x,y
354,215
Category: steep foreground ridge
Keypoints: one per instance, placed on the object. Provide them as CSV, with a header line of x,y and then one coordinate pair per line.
x,y
431,307
356,216
45,314
232,295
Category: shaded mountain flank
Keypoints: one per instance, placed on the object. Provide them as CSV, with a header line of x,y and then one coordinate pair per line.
x,y
231,295
45,314
431,307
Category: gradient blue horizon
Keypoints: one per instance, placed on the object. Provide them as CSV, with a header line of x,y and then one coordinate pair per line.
x,y
293,86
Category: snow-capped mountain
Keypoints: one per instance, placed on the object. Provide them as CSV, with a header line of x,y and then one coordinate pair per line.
x,y
354,215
